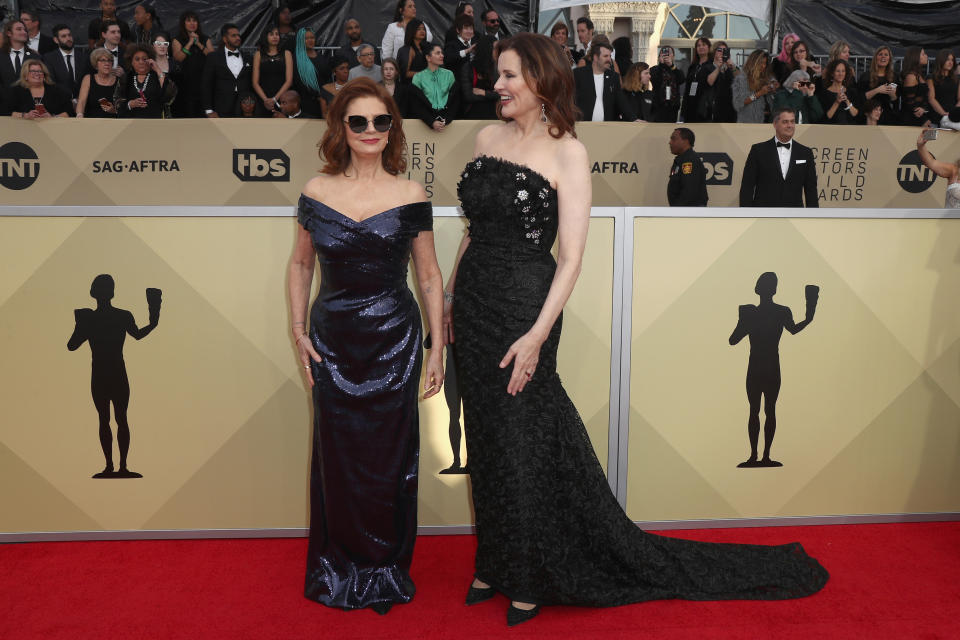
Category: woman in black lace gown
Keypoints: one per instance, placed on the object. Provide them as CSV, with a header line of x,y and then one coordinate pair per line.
x,y
361,354
549,530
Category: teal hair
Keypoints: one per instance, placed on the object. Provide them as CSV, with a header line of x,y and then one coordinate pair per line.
x,y
308,73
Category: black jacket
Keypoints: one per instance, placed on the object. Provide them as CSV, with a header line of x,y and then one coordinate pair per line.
x,y
347,52
667,85
221,90
58,69
763,184
451,54
615,105
688,181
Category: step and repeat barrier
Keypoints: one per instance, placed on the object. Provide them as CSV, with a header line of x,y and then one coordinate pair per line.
x,y
265,162
867,410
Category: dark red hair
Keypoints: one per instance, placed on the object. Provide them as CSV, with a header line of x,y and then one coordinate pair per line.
x,y
547,72
334,150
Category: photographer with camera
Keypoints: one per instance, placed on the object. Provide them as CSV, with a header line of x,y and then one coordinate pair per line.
x,y
799,93
716,98
838,97
667,82
752,88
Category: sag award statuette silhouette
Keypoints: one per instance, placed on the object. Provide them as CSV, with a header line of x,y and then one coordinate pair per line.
x,y
764,324
105,328
452,397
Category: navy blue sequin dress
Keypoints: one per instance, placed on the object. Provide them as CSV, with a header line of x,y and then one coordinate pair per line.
x,y
549,530
365,324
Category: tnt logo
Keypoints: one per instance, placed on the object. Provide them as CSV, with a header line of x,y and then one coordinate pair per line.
x,y
19,166
719,168
912,175
261,165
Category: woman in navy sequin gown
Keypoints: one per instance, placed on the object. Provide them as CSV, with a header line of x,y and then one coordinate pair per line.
x,y
549,530
361,352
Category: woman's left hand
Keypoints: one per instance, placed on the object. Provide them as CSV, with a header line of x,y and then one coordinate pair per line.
x,y
433,376
525,354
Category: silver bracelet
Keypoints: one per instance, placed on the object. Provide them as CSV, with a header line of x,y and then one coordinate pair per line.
x,y
447,296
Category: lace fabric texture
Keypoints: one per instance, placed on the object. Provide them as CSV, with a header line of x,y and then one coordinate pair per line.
x,y
365,324
549,529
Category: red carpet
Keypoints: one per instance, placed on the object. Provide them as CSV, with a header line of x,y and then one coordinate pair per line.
x,y
887,581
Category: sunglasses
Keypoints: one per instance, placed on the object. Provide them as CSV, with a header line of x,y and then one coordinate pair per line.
x,y
493,21
381,123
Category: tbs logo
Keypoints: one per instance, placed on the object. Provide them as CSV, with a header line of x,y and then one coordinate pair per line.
x,y
261,165
719,168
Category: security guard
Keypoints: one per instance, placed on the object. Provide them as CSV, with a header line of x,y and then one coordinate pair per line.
x,y
688,177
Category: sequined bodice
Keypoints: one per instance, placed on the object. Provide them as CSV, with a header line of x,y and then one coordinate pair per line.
x,y
509,205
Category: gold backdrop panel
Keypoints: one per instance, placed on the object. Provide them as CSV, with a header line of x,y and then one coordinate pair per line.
x,y
847,379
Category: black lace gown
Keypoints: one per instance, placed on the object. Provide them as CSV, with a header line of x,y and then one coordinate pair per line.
x,y
549,529
365,324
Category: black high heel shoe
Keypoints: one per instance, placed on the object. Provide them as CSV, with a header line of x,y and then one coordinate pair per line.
x,y
476,595
516,615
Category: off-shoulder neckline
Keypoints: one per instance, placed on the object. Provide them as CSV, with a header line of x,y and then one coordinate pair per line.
x,y
376,215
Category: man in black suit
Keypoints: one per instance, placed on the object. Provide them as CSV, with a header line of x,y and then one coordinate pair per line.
x,y
39,42
354,42
66,67
460,48
611,104
14,52
226,76
780,172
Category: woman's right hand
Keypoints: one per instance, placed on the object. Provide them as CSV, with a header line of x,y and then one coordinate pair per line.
x,y
307,353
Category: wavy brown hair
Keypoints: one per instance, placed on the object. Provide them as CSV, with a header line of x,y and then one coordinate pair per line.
x,y
334,150
757,69
888,75
545,70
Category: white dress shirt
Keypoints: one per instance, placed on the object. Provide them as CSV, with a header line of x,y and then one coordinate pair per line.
x,y
598,103
234,63
784,153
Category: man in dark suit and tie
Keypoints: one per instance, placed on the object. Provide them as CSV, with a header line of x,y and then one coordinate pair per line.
x,y
226,76
13,53
780,172
610,104
65,65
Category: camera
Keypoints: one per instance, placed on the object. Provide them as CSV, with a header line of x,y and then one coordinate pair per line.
x,y
665,51
724,53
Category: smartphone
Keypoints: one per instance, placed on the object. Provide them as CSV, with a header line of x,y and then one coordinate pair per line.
x,y
930,134
40,109
105,103
725,54
892,84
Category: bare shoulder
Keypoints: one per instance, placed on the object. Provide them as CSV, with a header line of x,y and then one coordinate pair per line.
x,y
487,136
317,187
412,191
570,154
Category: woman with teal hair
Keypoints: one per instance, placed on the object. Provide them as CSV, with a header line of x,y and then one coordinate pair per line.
x,y
310,73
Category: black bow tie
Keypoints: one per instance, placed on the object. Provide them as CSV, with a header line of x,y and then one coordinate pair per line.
x,y
116,53
785,145
233,53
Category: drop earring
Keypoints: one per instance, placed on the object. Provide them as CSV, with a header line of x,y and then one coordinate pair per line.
x,y
543,112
